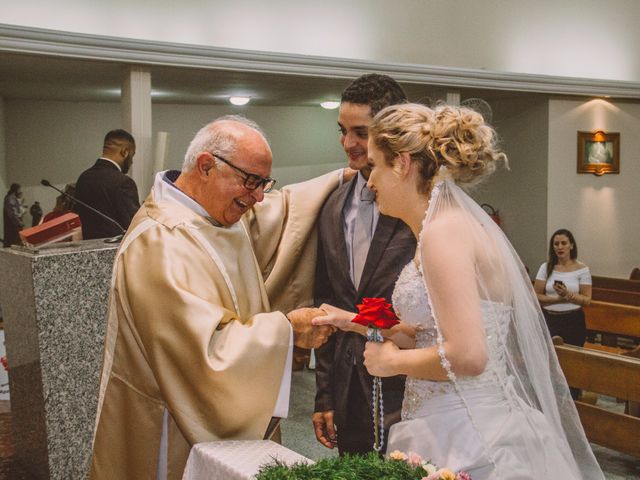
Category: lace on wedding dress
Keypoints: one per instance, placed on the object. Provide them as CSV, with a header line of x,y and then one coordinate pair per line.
x,y
522,366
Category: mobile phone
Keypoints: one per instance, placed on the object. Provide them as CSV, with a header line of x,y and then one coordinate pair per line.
x,y
558,282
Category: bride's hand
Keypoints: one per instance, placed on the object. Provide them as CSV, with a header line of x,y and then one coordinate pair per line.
x,y
336,317
379,358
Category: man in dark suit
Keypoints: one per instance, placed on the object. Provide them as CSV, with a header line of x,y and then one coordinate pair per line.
x,y
360,254
107,188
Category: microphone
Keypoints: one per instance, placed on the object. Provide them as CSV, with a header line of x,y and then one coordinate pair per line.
x,y
115,239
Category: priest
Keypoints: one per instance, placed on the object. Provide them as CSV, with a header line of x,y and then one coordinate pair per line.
x,y
197,343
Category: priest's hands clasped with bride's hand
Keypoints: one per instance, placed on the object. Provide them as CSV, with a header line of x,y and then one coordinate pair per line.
x,y
314,326
306,334
336,317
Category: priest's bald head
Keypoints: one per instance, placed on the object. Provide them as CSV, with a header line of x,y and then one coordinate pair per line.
x,y
226,168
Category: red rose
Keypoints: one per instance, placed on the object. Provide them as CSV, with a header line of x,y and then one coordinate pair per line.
x,y
5,363
375,312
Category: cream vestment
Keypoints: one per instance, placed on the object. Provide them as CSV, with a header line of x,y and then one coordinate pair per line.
x,y
195,327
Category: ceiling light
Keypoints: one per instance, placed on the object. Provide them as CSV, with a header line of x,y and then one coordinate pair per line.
x,y
331,105
239,100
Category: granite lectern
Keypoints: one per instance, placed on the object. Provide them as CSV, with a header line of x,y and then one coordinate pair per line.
x,y
54,304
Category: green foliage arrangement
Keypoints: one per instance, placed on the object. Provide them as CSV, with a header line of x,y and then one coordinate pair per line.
x,y
347,467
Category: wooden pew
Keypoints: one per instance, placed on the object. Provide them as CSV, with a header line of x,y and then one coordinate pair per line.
x,y
616,290
621,284
608,374
612,320
615,296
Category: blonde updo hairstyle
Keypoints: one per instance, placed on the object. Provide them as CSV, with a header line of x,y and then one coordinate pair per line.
x,y
455,137
406,128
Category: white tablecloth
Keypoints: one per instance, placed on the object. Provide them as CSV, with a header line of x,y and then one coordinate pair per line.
x,y
235,459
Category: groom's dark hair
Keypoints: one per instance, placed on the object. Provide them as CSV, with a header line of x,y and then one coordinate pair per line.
x,y
376,90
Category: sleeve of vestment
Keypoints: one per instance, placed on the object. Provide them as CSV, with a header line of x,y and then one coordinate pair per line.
x,y
218,374
283,232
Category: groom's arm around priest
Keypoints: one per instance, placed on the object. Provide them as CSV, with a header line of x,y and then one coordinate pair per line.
x,y
197,343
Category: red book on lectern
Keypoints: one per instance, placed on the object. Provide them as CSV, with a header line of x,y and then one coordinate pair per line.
x,y
60,228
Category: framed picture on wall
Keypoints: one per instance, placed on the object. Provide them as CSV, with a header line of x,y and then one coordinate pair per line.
x,y
598,152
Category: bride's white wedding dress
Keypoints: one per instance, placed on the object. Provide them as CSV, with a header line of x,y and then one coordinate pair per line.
x,y
435,421
516,420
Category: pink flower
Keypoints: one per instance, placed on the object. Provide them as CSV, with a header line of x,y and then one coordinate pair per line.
x,y
414,459
463,476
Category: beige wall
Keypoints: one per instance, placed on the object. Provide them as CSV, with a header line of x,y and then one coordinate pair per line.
x,y
304,140
602,212
58,140
55,141
520,193
575,38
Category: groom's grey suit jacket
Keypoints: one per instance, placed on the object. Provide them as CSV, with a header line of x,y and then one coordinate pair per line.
x,y
392,247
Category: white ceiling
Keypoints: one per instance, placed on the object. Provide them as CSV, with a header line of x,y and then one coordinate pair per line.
x,y
54,78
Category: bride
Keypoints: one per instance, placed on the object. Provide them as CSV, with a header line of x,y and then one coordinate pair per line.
x,y
484,390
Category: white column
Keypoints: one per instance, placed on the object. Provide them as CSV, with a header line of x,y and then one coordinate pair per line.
x,y
136,118
160,152
453,99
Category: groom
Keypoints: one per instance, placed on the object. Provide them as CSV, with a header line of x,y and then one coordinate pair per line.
x,y
360,254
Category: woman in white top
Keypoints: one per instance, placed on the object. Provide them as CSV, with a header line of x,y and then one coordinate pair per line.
x,y
563,287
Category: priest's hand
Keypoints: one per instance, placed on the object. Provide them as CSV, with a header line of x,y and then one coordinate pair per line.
x,y
306,335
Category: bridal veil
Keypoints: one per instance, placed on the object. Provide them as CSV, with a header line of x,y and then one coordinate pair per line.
x,y
527,372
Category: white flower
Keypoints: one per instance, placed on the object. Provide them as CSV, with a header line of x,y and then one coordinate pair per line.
x,y
429,467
